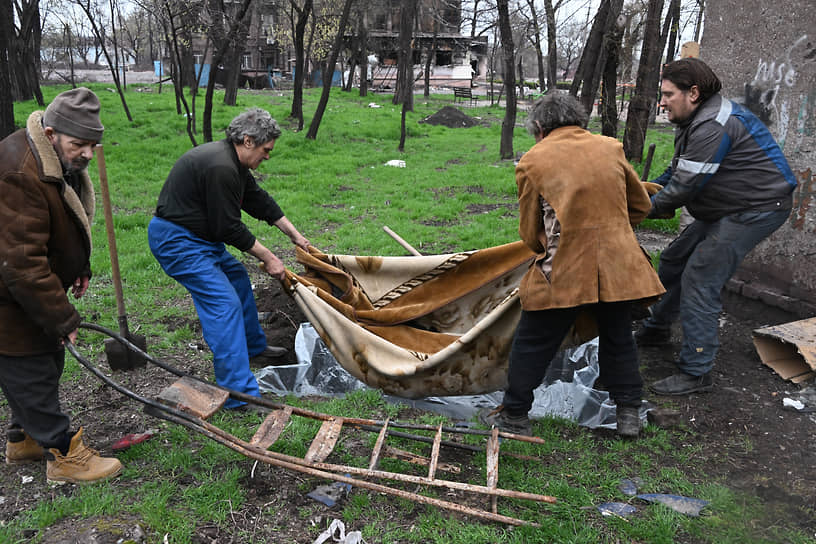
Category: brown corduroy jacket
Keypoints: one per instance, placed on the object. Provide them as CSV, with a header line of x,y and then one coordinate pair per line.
x,y
597,198
45,243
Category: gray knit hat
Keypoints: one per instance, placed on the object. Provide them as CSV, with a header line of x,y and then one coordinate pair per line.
x,y
75,113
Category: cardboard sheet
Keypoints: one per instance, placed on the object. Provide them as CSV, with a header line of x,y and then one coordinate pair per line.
x,y
789,349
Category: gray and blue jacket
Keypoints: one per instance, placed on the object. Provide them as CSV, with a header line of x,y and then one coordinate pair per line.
x,y
725,162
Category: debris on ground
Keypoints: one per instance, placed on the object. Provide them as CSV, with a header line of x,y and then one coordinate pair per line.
x,y
685,505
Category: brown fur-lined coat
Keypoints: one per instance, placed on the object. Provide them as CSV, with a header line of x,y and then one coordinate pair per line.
x,y
45,243
597,199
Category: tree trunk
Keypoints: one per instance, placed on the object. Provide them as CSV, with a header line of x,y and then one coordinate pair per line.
x,y
363,57
508,49
699,24
429,59
542,74
24,54
591,51
552,47
404,91
609,112
6,101
220,52
637,119
303,15
329,72
594,56
674,13
233,75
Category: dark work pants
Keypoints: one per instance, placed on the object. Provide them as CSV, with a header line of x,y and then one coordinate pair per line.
x,y
539,335
31,386
694,268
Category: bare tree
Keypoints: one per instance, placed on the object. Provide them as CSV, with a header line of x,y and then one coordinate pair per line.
x,y
329,72
404,90
609,110
509,122
552,43
535,40
299,31
222,40
24,57
94,14
6,100
591,65
643,99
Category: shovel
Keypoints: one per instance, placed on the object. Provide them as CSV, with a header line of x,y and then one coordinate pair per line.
x,y
118,355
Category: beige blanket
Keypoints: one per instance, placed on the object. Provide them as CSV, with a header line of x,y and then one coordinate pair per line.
x,y
418,326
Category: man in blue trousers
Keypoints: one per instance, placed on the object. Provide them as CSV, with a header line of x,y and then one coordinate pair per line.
x,y
197,215
734,180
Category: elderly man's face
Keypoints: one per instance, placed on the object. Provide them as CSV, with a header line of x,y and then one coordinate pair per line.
x,y
74,153
253,155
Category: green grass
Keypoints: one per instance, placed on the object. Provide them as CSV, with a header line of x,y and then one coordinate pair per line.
x,y
339,193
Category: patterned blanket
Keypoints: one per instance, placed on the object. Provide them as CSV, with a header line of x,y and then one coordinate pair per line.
x,y
419,326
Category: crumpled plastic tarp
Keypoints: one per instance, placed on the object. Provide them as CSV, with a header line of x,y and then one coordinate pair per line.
x,y
566,392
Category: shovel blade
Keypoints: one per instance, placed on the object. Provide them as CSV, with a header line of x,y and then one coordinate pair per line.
x,y
120,357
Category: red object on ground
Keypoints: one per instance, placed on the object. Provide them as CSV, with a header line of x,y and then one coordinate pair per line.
x,y
129,440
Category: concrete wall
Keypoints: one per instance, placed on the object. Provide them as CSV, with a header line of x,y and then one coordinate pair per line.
x,y
765,55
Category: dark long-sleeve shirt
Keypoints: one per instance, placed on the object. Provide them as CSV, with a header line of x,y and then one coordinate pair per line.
x,y
206,190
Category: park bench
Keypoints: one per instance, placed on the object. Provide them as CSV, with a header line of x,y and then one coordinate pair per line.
x,y
462,94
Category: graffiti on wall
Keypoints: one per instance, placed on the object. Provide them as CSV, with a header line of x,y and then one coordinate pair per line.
x,y
769,94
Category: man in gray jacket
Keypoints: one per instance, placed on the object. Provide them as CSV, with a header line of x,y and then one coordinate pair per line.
x,y
733,178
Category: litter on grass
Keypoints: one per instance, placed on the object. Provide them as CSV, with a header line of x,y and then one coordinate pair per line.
x,y
685,505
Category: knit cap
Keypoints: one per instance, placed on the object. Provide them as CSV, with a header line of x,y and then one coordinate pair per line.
x,y
75,113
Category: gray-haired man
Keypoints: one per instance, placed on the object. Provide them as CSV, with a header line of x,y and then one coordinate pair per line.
x,y
198,212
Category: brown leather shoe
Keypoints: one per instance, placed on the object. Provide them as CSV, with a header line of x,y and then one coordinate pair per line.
x,y
271,355
80,465
21,448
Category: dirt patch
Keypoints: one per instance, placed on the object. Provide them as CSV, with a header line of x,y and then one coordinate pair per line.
x,y
452,118
748,441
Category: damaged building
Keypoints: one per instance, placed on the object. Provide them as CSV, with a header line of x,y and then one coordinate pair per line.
x,y
266,61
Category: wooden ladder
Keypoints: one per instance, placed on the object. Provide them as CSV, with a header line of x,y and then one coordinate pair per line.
x,y
191,402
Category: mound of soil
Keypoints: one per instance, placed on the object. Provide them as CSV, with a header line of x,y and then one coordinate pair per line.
x,y
746,440
452,118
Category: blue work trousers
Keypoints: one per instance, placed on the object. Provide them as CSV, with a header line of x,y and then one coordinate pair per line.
x,y
223,298
539,335
694,269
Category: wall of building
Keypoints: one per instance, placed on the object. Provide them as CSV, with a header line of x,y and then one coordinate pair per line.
x,y
765,55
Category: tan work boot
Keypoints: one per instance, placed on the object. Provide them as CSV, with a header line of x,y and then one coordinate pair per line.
x,y
81,465
21,448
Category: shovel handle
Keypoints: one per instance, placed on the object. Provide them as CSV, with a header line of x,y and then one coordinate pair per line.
x,y
114,255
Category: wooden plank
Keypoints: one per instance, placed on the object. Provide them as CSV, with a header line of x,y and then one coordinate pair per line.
x,y
198,398
324,441
493,465
375,453
271,428
435,453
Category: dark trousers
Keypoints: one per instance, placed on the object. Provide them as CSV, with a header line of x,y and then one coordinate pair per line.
x,y
539,335
31,386
694,268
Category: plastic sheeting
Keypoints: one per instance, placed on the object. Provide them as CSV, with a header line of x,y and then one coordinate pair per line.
x,y
567,390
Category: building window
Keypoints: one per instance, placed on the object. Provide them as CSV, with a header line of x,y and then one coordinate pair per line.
x,y
246,61
444,58
198,58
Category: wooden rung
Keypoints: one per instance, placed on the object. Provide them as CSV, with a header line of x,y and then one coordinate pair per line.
x,y
324,441
410,457
198,398
271,428
492,449
375,454
435,453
